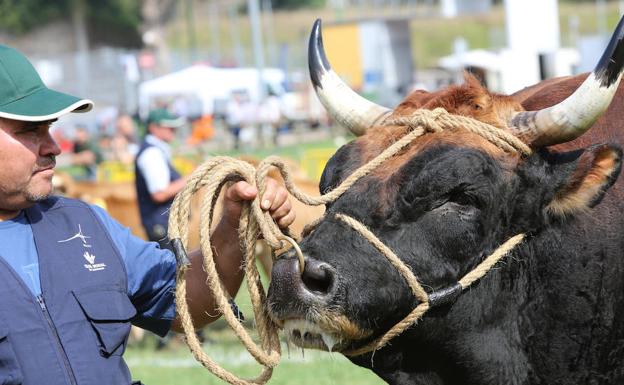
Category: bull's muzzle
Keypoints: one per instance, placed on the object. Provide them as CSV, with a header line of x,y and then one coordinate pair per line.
x,y
291,292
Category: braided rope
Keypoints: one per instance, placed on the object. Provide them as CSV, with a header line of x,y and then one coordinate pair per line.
x,y
215,173
438,120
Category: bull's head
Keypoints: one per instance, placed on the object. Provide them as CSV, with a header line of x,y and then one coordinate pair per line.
x,y
441,205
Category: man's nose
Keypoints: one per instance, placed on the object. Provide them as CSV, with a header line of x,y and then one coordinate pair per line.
x,y
49,146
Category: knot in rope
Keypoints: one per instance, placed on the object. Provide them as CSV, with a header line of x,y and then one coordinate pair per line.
x,y
438,120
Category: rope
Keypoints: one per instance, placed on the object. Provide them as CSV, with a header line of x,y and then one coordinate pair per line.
x,y
213,175
418,291
438,120
218,171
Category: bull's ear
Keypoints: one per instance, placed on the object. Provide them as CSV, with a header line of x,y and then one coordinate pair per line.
x,y
586,184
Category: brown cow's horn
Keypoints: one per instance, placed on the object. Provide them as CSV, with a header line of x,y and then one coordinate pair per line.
x,y
572,117
343,104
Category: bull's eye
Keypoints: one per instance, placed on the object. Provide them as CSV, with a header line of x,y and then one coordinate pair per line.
x,y
460,198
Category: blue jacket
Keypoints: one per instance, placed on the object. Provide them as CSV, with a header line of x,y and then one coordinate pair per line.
x,y
76,331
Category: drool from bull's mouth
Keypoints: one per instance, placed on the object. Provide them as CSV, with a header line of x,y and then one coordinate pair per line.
x,y
309,335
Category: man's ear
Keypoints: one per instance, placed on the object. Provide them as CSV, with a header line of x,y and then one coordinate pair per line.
x,y
596,169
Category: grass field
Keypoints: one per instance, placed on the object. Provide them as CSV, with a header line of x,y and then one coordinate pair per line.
x,y
176,366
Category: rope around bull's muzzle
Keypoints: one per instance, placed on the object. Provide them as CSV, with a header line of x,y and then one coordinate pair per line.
x,y
218,171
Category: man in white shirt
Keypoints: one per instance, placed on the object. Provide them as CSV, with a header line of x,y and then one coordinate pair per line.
x,y
157,181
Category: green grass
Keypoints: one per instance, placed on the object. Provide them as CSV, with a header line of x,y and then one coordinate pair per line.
x,y
177,366
294,152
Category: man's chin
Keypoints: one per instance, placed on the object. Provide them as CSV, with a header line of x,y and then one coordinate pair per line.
x,y
38,195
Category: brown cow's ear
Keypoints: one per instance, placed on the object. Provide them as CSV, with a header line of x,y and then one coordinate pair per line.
x,y
596,170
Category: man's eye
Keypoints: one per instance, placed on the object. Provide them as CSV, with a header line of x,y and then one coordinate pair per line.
x,y
31,129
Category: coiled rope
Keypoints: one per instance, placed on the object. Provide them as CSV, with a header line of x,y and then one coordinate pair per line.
x,y
218,171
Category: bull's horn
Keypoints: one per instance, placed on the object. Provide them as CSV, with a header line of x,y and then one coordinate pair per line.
x,y
572,117
342,103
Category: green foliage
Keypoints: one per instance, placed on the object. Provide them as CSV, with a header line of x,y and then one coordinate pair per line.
x,y
20,16
115,22
110,21
295,4
117,12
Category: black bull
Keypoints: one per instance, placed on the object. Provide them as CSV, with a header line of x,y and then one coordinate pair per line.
x,y
552,312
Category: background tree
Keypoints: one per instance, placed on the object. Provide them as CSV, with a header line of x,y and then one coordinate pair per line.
x,y
109,22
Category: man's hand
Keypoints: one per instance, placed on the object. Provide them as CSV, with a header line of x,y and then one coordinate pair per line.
x,y
275,200
227,256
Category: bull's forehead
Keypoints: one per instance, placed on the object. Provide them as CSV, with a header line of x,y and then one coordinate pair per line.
x,y
380,138
434,164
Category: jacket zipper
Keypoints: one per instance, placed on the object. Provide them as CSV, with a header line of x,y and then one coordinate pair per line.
x,y
59,345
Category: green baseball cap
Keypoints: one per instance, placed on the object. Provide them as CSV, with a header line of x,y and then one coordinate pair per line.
x,y
23,96
163,117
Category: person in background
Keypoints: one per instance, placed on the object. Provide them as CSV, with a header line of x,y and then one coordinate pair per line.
x,y
86,154
157,181
126,127
235,115
270,116
124,146
73,280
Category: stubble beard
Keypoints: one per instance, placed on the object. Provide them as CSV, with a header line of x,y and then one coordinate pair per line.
x,y
34,194
33,197
38,196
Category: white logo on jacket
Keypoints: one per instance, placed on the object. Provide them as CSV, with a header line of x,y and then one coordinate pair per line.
x,y
92,266
79,235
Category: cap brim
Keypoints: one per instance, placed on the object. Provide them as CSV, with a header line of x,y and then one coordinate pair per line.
x,y
44,104
173,123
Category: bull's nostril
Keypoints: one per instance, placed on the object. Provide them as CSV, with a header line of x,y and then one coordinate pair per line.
x,y
317,277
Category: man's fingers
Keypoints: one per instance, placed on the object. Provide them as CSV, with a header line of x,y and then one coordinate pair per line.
x,y
287,220
281,196
241,191
282,210
275,200
269,194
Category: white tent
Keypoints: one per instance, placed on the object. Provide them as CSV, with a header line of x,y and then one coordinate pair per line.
x,y
476,58
207,84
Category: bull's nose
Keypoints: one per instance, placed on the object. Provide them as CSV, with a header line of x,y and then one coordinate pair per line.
x,y
318,277
317,280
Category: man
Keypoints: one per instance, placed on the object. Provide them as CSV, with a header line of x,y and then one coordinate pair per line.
x,y
157,181
237,115
72,279
86,155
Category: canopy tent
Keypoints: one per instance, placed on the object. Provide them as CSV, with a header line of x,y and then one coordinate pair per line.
x,y
475,58
207,84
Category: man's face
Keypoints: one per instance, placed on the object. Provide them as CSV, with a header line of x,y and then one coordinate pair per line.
x,y
164,133
27,159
